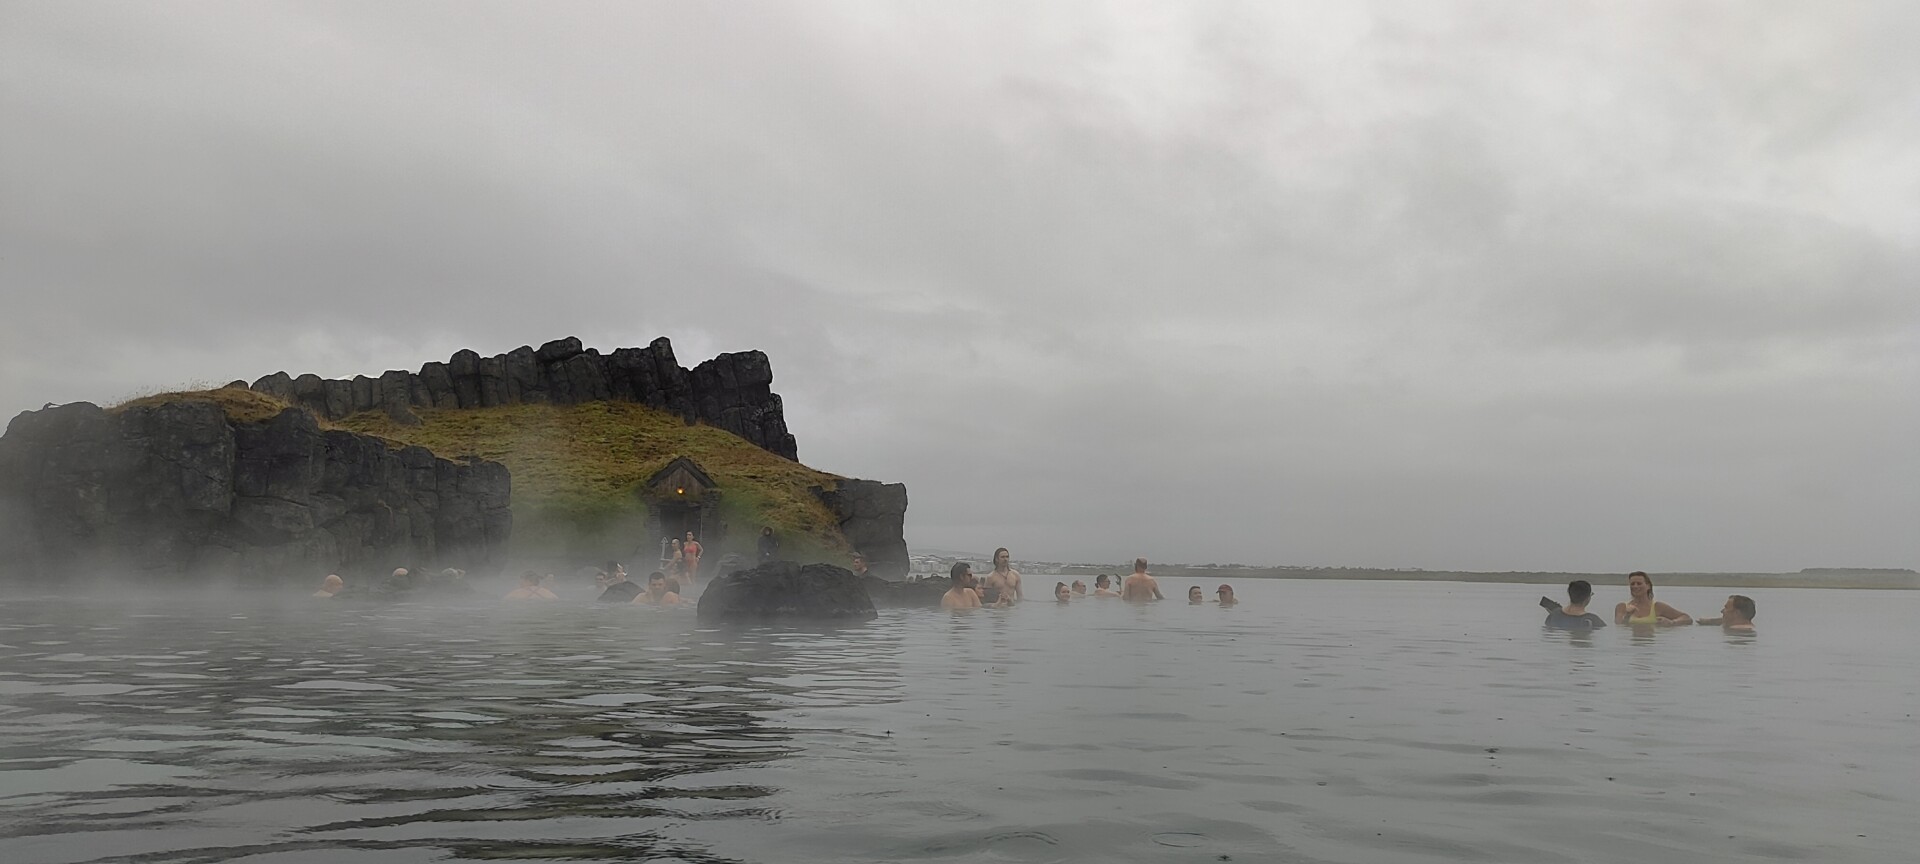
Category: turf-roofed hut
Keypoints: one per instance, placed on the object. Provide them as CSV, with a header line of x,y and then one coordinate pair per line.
x,y
682,498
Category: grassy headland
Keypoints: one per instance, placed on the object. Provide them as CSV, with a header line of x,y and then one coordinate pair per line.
x,y
577,471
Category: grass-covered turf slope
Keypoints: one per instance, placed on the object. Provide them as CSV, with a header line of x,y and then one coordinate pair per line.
x,y
577,470
241,405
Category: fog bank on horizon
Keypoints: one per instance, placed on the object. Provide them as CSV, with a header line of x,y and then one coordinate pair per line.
x,y
1449,285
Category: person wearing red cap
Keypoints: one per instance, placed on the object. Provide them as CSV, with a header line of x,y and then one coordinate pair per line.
x,y
1226,595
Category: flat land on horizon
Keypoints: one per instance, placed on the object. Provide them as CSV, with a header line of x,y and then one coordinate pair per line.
x,y
1836,578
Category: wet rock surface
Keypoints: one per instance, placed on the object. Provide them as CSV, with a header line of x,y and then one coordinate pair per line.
x,y
785,591
873,518
177,488
889,594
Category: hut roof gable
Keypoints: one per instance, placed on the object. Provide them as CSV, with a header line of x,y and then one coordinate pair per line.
x,y
678,463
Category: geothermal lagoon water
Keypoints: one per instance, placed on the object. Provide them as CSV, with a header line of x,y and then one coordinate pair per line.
x,y
1320,721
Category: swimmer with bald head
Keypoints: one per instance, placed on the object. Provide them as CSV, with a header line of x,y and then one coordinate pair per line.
x,y
330,586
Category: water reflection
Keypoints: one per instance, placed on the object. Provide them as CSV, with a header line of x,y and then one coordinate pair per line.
x,y
459,730
1317,722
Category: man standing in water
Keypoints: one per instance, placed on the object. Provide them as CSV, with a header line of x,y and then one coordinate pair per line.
x,y
1004,581
961,595
1140,587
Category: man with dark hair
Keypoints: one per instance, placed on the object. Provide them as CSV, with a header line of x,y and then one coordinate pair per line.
x,y
1103,586
1574,615
620,589
961,595
1736,614
661,591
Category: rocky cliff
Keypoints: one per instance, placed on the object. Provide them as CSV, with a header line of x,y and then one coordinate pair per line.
x,y
873,517
731,391
162,490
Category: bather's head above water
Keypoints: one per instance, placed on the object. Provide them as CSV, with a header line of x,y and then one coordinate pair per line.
x,y
1196,596
1640,585
1226,595
1061,592
330,586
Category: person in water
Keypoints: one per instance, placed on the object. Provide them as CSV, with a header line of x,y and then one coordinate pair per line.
x,y
1196,597
692,551
330,586
1103,586
1644,611
1574,615
676,558
962,595
1225,593
1079,588
1140,587
1735,616
1004,581
661,591
530,589
619,589
1062,593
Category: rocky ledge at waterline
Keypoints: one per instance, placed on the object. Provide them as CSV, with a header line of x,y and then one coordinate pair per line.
x,y
185,487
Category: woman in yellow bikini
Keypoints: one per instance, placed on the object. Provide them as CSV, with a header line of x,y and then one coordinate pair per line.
x,y
1643,610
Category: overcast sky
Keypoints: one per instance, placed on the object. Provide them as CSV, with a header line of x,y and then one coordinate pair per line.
x,y
1599,286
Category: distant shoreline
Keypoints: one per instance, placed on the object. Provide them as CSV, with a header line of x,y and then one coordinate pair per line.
x,y
1858,579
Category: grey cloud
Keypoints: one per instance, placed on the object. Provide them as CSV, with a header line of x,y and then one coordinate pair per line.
x,y
1432,285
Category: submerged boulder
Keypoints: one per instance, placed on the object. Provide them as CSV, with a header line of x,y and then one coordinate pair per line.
x,y
785,591
924,594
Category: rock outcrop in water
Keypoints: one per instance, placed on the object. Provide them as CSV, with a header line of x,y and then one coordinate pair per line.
x,y
785,591
179,487
889,594
732,391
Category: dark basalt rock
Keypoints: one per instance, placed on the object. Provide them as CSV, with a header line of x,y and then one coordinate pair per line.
x,y
873,518
172,489
785,591
732,391
888,594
